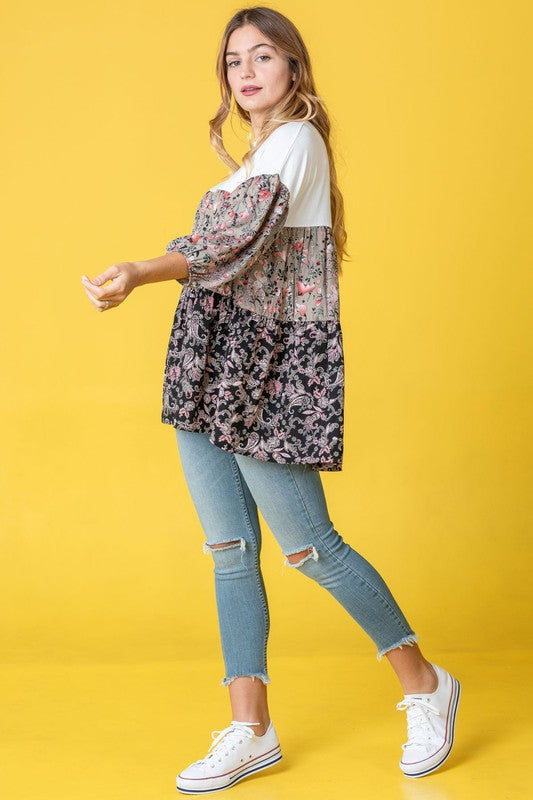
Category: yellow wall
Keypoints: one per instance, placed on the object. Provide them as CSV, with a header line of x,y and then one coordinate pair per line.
x,y
105,155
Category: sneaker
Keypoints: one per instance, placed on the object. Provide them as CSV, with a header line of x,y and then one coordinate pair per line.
x,y
430,725
235,753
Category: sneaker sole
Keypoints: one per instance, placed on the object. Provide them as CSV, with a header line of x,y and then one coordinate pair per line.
x,y
238,777
453,714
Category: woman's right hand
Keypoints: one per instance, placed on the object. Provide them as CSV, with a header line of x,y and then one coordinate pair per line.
x,y
123,277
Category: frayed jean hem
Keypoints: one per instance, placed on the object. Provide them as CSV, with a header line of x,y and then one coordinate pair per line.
x,y
261,675
409,640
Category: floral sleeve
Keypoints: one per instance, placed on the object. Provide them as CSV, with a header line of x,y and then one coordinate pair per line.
x,y
232,230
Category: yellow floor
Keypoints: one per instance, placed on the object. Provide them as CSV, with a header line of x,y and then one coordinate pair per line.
x,y
118,731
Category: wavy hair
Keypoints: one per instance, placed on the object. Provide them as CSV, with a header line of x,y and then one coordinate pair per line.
x,y
301,102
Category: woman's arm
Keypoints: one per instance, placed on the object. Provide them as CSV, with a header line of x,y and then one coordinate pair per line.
x,y
126,275
163,268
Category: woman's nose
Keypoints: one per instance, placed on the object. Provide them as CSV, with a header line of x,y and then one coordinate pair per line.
x,y
246,71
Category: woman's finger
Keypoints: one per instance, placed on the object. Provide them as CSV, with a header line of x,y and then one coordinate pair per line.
x,y
107,275
97,292
103,292
100,305
91,297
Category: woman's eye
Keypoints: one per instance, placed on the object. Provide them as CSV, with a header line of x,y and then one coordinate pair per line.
x,y
231,63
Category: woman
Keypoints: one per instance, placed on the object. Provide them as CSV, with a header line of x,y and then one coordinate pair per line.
x,y
254,387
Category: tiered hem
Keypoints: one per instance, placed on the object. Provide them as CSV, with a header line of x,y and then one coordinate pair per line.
x,y
259,386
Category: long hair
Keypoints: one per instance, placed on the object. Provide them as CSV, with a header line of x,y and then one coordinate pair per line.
x,y
301,102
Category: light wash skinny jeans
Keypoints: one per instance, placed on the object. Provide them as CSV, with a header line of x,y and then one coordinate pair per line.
x,y
227,489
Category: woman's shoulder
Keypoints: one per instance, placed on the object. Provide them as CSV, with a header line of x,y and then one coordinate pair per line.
x,y
292,144
294,147
298,137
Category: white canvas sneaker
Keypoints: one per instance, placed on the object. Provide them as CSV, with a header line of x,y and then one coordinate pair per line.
x,y
430,725
235,753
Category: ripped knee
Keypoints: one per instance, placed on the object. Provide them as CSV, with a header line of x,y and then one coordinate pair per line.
x,y
301,556
226,557
223,545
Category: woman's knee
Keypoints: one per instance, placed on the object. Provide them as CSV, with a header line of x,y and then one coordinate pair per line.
x,y
224,544
229,553
301,556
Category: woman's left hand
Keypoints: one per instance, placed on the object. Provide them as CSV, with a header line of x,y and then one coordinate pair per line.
x,y
123,277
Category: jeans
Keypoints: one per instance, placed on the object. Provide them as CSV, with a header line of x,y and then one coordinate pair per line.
x,y
227,489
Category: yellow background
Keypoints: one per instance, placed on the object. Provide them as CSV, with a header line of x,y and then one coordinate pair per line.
x,y
105,153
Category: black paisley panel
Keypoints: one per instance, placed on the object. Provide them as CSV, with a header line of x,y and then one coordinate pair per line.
x,y
269,388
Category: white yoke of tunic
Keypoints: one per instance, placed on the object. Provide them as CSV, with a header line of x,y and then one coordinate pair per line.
x,y
255,357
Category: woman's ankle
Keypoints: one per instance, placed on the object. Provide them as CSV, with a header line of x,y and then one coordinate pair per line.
x,y
425,683
260,729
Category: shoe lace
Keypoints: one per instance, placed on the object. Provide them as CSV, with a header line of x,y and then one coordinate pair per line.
x,y
228,737
420,728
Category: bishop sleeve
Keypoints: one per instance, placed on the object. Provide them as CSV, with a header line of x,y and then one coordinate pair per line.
x,y
240,226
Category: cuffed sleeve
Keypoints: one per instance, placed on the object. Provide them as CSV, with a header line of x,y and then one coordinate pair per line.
x,y
233,231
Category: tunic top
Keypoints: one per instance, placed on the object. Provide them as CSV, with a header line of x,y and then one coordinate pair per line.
x,y
255,357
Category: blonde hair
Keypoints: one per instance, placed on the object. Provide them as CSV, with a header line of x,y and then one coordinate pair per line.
x,y
300,103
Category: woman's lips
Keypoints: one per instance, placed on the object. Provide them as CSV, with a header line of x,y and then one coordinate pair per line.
x,y
251,91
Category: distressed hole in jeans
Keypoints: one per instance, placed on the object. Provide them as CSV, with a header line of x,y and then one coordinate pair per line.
x,y
301,556
230,544
222,545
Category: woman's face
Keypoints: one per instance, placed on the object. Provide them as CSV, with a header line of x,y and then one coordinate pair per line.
x,y
253,60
